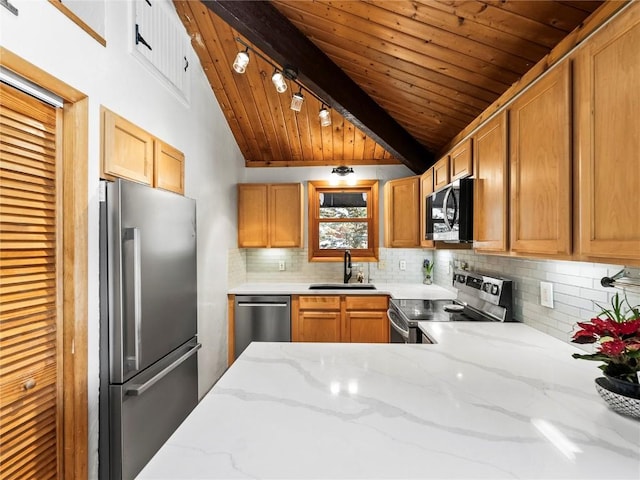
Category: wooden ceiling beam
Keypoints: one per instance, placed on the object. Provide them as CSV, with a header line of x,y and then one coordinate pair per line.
x,y
270,31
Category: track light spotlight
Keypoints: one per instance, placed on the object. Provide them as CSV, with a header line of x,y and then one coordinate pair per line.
x,y
241,61
296,101
278,81
325,116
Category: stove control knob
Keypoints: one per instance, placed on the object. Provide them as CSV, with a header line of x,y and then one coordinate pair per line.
x,y
486,287
495,290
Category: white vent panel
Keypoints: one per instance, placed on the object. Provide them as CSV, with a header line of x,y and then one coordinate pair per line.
x,y
161,42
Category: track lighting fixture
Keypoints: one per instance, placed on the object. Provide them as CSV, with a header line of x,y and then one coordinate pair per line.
x,y
325,116
296,101
278,81
241,61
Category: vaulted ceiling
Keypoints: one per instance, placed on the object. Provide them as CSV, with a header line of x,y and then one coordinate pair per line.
x,y
430,67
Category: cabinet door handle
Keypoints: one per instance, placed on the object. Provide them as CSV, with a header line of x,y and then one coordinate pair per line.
x,y
29,384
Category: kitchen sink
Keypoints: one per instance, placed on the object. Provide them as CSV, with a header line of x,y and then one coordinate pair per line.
x,y
342,286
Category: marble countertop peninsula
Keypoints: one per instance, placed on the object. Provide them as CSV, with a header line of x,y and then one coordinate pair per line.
x,y
488,400
395,290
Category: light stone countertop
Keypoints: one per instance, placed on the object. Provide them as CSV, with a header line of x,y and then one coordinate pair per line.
x,y
395,290
489,400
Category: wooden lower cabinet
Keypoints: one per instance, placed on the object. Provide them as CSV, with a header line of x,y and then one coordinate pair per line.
x,y
344,318
317,326
366,327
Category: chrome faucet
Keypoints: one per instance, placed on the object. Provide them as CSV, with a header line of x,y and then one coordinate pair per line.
x,y
347,265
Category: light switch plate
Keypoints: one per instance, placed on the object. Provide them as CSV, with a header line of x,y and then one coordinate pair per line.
x,y
382,264
281,266
546,294
403,265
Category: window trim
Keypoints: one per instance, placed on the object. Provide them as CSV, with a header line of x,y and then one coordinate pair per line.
x,y
370,187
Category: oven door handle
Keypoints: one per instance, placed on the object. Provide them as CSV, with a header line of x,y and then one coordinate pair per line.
x,y
396,327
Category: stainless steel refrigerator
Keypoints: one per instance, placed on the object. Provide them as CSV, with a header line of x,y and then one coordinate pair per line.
x,y
148,322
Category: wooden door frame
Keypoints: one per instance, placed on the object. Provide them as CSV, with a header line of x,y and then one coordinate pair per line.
x,y
73,351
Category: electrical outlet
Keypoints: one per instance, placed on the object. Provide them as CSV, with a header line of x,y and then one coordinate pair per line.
x,y
281,266
382,265
546,294
403,265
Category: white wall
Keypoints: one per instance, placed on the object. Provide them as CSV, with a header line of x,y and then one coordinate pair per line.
x,y
112,77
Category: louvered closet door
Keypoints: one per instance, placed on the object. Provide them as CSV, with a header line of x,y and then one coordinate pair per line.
x,y
29,295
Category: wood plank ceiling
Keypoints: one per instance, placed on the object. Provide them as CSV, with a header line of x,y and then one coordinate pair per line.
x,y
434,66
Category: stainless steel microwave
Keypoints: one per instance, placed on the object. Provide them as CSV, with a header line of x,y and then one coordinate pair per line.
x,y
449,213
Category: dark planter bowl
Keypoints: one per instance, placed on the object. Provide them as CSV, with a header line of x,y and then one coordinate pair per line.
x,y
618,401
623,387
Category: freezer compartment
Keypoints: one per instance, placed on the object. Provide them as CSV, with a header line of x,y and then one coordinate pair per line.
x,y
146,410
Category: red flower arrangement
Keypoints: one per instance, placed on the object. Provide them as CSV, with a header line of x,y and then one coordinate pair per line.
x,y
617,330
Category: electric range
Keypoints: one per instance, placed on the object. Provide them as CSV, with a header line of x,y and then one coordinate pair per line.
x,y
481,297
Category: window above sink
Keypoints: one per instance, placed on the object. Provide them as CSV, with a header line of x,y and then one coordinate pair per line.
x,y
343,218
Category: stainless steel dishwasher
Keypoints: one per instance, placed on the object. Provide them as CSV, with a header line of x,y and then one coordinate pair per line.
x,y
265,318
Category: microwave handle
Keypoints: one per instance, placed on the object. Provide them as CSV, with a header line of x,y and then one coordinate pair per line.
x,y
444,209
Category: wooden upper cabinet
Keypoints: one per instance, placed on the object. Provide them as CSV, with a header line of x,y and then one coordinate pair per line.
x,y
426,189
491,187
441,173
607,71
269,215
253,228
127,150
540,161
168,170
462,160
131,153
285,215
402,205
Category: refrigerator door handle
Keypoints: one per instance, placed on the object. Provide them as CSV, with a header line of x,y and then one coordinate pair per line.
x,y
136,390
134,234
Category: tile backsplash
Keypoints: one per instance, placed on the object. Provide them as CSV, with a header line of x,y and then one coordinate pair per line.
x,y
262,265
576,285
